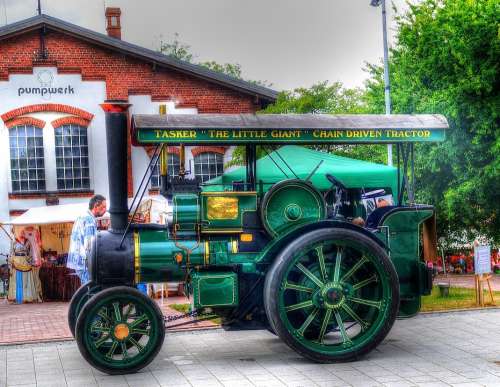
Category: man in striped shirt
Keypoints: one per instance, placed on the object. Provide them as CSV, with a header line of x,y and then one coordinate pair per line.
x,y
84,229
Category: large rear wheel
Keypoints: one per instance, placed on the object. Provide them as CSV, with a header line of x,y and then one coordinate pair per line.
x,y
332,295
120,330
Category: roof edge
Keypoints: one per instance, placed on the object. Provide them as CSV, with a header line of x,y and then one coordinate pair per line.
x,y
41,21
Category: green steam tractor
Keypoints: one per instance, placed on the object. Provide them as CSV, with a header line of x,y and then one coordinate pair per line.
x,y
270,245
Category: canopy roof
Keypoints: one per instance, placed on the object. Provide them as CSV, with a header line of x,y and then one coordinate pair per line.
x,y
63,213
286,128
352,173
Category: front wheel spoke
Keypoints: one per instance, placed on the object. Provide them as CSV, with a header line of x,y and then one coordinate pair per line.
x,y
362,301
117,311
124,350
300,305
363,324
299,288
353,269
112,350
136,344
142,318
126,315
140,331
345,339
338,262
97,328
324,325
321,260
308,322
365,282
101,341
309,275
103,313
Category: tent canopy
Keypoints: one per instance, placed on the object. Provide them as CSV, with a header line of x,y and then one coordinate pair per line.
x,y
352,173
63,213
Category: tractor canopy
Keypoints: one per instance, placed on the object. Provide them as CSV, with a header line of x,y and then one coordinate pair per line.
x,y
276,166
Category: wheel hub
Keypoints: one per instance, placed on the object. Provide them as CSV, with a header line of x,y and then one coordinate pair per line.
x,y
333,295
121,331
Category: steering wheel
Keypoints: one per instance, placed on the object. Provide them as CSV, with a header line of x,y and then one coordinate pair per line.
x,y
336,182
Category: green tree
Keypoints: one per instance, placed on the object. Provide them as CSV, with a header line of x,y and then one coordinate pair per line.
x,y
446,60
182,51
177,49
330,99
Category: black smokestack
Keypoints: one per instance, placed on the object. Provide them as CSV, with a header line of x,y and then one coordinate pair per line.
x,y
116,143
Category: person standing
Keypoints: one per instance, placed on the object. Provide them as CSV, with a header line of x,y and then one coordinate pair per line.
x,y
84,229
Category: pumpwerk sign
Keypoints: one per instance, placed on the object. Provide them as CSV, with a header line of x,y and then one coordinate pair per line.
x,y
44,86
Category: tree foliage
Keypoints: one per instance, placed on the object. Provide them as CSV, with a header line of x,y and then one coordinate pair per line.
x,y
330,99
182,51
446,60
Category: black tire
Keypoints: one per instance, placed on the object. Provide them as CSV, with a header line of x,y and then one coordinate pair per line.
x,y
81,296
87,315
286,257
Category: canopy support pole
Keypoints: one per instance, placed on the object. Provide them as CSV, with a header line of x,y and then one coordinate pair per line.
x,y
399,174
251,167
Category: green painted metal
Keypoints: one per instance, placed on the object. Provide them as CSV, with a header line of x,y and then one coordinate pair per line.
x,y
404,243
106,318
289,204
334,297
298,136
156,259
186,212
215,289
246,202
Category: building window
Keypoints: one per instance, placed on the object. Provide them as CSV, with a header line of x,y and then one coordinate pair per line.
x,y
27,169
208,165
72,157
172,169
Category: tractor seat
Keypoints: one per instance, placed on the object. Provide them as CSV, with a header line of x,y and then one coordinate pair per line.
x,y
373,220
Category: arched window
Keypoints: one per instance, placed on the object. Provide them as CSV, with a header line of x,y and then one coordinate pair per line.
x,y
208,165
173,167
27,168
72,157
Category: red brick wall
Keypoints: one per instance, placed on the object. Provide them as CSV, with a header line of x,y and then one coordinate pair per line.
x,y
25,121
124,75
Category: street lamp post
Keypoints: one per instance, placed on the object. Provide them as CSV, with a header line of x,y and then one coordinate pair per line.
x,y
387,83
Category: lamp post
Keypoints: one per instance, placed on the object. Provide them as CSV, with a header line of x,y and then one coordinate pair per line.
x,y
387,83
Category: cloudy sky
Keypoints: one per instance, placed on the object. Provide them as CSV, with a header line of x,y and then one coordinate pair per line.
x,y
290,43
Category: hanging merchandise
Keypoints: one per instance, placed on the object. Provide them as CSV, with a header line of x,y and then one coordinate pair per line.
x,y
24,280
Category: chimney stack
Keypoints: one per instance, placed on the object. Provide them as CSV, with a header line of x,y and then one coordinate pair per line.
x,y
113,25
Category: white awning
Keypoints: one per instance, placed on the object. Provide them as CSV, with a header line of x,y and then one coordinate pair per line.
x,y
63,213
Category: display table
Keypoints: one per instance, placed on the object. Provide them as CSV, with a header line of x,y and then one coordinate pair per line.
x,y
58,283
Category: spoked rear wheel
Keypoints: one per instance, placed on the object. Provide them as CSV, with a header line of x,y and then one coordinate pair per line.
x,y
120,330
332,295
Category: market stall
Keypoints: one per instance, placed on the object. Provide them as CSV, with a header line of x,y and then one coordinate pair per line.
x,y
44,273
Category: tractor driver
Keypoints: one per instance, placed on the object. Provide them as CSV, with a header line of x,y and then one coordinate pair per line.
x,y
84,229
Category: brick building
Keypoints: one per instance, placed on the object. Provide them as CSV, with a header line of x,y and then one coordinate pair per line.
x,y
54,75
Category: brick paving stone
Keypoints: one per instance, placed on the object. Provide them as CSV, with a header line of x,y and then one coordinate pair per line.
x,y
48,321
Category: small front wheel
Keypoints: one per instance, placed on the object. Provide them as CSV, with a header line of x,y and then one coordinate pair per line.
x,y
81,296
332,294
124,322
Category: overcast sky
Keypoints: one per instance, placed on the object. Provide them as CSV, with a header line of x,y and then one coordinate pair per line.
x,y
290,43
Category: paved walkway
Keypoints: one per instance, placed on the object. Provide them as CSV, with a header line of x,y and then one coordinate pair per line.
x,y
448,349
48,321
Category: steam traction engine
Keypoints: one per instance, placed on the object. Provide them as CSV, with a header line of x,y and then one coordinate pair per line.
x,y
280,255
